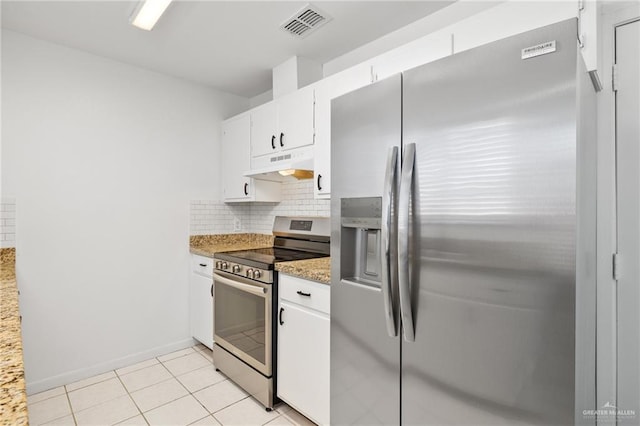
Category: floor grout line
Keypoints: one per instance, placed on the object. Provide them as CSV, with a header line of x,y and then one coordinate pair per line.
x,y
132,400
73,414
172,377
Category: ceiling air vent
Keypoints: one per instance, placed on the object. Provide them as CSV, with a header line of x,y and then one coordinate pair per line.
x,y
305,21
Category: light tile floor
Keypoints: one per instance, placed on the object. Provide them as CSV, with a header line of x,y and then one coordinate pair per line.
x,y
180,388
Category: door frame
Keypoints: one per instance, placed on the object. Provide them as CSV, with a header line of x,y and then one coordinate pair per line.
x,y
612,15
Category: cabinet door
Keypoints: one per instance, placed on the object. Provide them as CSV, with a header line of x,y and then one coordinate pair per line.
x,y
201,309
263,130
332,87
295,119
236,158
303,361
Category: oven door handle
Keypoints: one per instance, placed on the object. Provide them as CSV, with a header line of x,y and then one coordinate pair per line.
x,y
260,291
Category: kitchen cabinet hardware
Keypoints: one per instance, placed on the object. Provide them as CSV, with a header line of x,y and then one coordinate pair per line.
x,y
202,264
302,293
281,141
280,316
211,290
273,141
246,189
318,182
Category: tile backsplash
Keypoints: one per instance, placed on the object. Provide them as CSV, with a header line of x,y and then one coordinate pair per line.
x,y
7,222
216,217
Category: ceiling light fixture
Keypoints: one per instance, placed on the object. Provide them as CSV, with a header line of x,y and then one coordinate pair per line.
x,y
148,12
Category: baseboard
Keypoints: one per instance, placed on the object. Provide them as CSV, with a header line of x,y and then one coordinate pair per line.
x,y
83,373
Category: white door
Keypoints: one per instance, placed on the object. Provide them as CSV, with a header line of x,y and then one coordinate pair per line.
x,y
303,360
263,130
295,119
628,211
235,158
202,309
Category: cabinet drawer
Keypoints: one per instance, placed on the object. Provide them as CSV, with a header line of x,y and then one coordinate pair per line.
x,y
305,293
202,265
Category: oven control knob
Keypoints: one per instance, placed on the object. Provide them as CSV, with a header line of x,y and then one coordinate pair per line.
x,y
235,269
218,263
249,273
257,274
224,265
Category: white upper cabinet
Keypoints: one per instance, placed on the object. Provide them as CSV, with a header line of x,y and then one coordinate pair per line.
x,y
296,119
283,124
263,129
236,159
327,89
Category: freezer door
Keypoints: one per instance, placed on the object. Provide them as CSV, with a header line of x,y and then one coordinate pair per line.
x,y
365,356
493,232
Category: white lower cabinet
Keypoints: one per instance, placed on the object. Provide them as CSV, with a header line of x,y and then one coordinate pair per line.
x,y
201,299
303,346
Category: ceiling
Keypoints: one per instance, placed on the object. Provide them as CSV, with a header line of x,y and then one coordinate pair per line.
x,y
230,45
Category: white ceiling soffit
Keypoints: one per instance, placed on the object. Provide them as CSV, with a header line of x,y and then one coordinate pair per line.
x,y
305,21
230,45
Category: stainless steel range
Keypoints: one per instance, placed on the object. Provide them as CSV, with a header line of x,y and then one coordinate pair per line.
x,y
246,298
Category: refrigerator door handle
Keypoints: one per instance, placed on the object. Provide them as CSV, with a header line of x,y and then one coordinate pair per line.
x,y
406,183
388,195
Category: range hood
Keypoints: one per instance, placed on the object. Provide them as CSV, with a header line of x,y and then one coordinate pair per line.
x,y
283,166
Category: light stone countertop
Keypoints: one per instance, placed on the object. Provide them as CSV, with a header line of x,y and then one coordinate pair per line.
x,y
311,269
13,396
208,245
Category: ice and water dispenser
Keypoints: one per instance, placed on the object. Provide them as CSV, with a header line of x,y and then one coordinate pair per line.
x,y
360,249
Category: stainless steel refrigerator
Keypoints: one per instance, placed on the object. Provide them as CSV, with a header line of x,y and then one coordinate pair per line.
x,y
463,240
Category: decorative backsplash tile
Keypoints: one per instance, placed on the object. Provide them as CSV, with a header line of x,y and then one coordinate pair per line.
x,y
216,217
7,223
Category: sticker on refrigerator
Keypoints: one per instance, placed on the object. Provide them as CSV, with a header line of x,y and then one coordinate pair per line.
x,y
539,49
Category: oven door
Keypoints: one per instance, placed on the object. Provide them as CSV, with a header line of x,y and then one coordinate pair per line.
x,y
242,319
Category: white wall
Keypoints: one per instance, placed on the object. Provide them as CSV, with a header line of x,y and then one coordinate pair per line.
x,y
102,159
217,217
